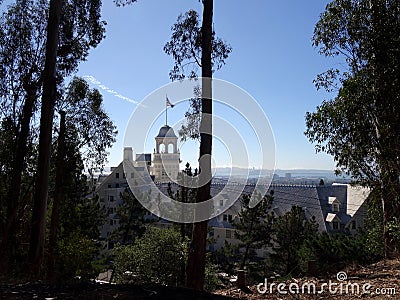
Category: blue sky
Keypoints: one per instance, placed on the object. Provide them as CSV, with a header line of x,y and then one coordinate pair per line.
x,y
272,59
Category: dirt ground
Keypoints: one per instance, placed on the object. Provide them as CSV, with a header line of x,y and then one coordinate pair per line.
x,y
377,279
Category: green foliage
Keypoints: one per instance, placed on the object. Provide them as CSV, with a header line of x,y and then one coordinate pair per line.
x,y
374,226
79,256
291,231
77,250
93,130
211,282
360,126
132,223
185,47
190,127
336,251
393,228
23,26
155,257
227,257
254,225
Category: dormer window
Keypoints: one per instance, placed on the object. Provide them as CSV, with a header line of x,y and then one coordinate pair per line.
x,y
353,225
335,204
335,207
335,225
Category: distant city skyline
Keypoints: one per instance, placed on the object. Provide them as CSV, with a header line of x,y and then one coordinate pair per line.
x,y
272,59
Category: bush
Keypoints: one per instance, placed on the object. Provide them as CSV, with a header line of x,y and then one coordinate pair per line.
x,y
156,257
78,256
336,251
212,282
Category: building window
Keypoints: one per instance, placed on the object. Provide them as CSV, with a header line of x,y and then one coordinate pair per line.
x,y
335,207
117,185
230,218
353,224
109,185
228,234
221,202
225,217
335,225
111,198
116,175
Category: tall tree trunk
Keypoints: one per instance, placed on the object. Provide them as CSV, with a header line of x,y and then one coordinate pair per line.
x,y
38,232
386,129
195,272
7,246
58,197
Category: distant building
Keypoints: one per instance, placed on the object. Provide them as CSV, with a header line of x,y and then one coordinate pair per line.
x,y
163,167
344,207
109,193
335,208
166,157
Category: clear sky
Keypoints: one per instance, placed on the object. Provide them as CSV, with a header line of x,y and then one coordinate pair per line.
x,y
272,59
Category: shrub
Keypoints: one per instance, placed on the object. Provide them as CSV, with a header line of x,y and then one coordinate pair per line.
x,y
156,257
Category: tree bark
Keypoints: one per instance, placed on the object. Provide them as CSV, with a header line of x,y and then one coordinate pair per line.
x,y
386,123
37,238
58,197
195,272
14,191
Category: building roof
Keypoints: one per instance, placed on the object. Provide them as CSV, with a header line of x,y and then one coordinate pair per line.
x,y
350,199
166,131
143,157
330,217
285,196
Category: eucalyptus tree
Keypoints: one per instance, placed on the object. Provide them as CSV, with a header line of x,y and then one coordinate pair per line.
x,y
28,58
360,126
21,56
87,129
193,46
73,27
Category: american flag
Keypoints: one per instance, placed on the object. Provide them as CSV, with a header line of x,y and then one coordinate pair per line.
x,y
168,103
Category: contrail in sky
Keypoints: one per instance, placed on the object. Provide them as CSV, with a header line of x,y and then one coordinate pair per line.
x,y
94,81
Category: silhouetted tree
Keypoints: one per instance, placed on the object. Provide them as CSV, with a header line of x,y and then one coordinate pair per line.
x,y
191,45
66,21
90,131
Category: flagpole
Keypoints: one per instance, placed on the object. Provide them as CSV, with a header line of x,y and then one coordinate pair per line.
x,y
166,110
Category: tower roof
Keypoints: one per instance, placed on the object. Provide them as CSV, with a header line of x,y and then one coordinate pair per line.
x,y
166,131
